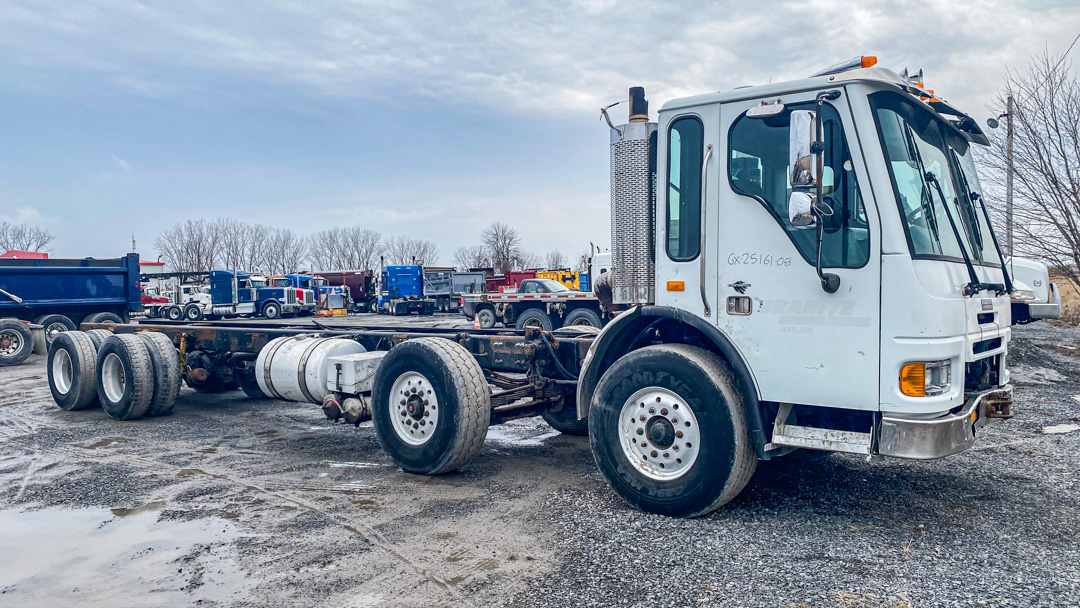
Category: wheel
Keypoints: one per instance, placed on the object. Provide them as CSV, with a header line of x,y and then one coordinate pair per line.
x,y
534,317
577,331
373,306
165,360
668,431
487,318
98,336
54,325
193,312
565,420
72,369
125,377
250,387
153,312
174,313
102,317
272,310
584,316
16,342
431,405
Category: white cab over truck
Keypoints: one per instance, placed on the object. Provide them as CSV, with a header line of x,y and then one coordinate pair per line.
x,y
1034,297
804,265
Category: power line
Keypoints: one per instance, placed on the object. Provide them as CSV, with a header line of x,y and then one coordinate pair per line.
x,y
1053,70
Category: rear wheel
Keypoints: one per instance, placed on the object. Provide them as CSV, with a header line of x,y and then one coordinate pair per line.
x,y
54,325
103,317
431,405
16,342
669,432
72,369
193,312
250,387
487,318
98,336
565,420
534,317
585,317
125,377
166,363
174,313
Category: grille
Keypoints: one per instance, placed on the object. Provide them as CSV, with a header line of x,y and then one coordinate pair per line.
x,y
633,194
290,296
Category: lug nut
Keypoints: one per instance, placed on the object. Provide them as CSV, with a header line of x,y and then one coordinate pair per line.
x,y
663,411
653,453
641,431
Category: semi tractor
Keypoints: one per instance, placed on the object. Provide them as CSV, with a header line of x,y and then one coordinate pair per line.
x,y
361,285
61,293
801,265
402,291
234,293
324,296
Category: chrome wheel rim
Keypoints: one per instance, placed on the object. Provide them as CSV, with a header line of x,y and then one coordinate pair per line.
x,y
10,342
659,433
414,408
113,377
62,372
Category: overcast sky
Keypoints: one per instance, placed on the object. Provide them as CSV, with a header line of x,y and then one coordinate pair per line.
x,y
120,117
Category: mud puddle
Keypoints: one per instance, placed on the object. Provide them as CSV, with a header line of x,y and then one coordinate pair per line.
x,y
116,557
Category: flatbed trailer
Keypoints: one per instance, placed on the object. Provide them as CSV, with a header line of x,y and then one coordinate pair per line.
x,y
543,310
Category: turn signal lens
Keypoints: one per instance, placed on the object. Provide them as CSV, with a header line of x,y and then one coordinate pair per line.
x,y
676,286
913,380
869,61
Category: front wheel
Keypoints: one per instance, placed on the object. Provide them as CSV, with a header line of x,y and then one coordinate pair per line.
x,y
272,311
669,432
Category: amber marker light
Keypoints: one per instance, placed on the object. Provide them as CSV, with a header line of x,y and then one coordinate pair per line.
x,y
913,379
869,61
676,286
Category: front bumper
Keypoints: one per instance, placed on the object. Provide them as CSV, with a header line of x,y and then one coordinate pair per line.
x,y
926,439
290,308
1047,310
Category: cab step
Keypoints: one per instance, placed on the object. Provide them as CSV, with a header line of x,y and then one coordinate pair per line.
x,y
814,438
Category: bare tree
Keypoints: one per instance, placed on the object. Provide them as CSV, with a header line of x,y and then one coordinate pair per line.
x,y
402,250
582,263
23,237
233,236
474,256
353,248
1046,134
285,252
525,260
503,246
555,260
192,246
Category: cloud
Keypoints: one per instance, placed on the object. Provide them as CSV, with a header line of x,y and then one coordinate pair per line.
x,y
527,56
120,164
24,215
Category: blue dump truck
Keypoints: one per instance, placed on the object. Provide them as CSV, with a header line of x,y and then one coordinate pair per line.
x,y
402,291
59,294
235,293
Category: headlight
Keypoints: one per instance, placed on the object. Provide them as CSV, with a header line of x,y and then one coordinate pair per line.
x,y
925,378
1023,295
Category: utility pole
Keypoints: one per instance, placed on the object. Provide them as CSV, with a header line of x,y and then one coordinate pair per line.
x,y
1009,175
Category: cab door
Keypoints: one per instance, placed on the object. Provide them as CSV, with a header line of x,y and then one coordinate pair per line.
x,y
803,344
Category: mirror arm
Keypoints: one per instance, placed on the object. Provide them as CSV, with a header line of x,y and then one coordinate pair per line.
x,y
830,282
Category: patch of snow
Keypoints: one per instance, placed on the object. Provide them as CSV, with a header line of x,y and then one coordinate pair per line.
x,y
354,465
1060,429
519,436
1024,373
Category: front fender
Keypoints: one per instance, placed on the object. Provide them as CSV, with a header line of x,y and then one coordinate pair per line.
x,y
621,336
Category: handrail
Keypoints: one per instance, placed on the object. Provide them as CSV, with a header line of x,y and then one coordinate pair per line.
x,y
704,206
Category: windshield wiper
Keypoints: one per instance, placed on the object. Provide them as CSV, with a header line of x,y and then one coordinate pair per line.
x,y
975,286
973,197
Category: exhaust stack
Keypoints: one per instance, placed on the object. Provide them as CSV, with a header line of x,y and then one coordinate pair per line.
x,y
633,205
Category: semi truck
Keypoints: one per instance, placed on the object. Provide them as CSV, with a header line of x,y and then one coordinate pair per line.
x,y
446,286
800,265
324,297
361,285
235,293
543,303
402,291
61,293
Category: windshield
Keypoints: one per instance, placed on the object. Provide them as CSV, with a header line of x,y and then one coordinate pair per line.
x,y
924,154
281,282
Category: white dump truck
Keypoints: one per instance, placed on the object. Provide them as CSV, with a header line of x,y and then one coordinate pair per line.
x,y
802,265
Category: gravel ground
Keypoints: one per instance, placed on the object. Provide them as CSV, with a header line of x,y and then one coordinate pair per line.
x,y
237,502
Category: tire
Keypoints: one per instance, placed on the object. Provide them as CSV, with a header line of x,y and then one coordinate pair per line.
x,y
72,368
16,342
565,420
54,325
98,337
585,317
458,405
487,318
272,310
125,377
166,363
250,387
577,331
102,317
706,406
534,317
173,313
153,312
373,306
193,312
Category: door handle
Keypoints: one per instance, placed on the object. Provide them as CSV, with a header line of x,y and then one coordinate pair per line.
x,y
704,206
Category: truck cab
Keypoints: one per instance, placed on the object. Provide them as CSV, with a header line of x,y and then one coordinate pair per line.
x,y
819,248
1034,297
235,293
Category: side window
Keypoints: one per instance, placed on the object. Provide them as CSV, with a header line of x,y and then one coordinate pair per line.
x,y
685,152
759,167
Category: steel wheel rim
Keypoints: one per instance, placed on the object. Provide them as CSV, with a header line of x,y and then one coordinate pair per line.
x,y
54,329
532,322
113,377
14,340
62,371
659,433
583,321
414,408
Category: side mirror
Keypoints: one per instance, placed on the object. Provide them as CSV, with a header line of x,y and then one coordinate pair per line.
x,y
802,133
